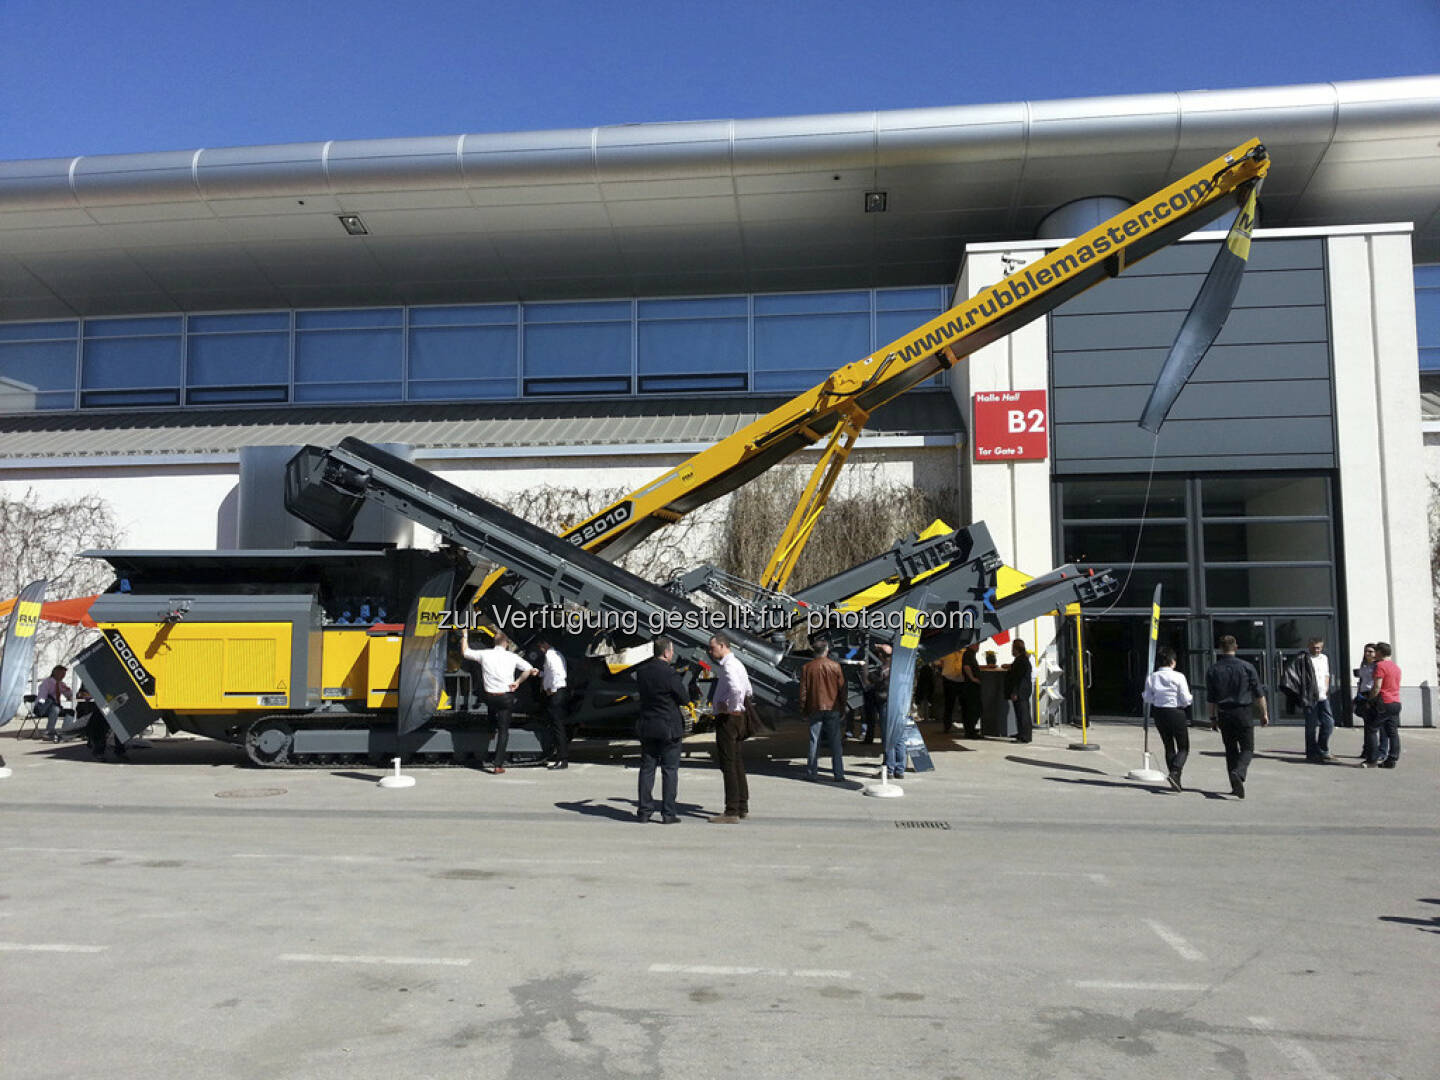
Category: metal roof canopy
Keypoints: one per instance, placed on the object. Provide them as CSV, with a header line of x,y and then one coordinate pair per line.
x,y
478,429
675,208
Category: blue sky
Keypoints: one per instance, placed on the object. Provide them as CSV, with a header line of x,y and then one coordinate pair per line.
x,y
86,77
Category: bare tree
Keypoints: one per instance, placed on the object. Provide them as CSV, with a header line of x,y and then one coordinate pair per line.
x,y
677,546
44,540
858,523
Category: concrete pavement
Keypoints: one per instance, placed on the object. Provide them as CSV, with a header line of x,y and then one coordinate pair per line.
x,y
1023,911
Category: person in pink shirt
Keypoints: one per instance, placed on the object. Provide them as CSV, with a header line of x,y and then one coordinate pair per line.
x,y
1385,697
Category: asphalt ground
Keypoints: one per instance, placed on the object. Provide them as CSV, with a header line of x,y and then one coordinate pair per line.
x,y
1023,911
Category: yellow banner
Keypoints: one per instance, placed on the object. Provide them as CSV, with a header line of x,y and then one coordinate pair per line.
x,y
27,619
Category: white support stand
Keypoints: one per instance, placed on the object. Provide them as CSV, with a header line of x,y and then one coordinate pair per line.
x,y
1147,775
6,772
395,780
885,789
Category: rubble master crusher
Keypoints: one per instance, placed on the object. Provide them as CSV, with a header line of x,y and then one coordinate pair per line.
x,y
289,652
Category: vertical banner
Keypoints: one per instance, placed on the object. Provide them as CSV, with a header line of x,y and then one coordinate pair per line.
x,y
422,654
19,649
1206,317
902,679
1154,639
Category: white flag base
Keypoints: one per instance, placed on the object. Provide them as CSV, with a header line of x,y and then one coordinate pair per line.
x,y
884,789
6,772
1148,774
395,780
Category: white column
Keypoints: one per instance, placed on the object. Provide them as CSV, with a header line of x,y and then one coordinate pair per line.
x,y
1383,489
1011,497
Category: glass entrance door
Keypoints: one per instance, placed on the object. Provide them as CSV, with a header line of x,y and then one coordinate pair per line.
x,y
1268,641
1117,650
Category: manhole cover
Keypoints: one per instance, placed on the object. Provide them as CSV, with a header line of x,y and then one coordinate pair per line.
x,y
922,824
250,793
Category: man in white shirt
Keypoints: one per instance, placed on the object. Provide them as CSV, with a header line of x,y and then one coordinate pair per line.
x,y
48,696
1319,720
732,687
554,684
1168,693
498,670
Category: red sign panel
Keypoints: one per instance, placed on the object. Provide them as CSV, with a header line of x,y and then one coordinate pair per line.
x,y
1011,425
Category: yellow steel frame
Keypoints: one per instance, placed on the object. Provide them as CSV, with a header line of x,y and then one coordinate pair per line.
x,y
858,388
813,499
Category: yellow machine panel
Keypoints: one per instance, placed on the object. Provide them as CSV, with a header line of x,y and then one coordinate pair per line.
x,y
345,670
212,666
383,676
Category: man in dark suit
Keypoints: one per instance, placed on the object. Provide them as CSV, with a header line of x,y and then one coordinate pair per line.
x,y
1020,688
660,727
1233,688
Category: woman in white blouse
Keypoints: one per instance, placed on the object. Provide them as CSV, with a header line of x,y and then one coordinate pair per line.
x,y
1169,696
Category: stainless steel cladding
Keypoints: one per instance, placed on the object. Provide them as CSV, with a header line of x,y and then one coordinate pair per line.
x,y
263,521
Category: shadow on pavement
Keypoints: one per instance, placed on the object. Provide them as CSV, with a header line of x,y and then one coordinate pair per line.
x,y
1128,785
1053,765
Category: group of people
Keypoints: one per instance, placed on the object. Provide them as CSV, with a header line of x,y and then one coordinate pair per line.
x,y
502,672
661,725
1237,701
960,681
50,697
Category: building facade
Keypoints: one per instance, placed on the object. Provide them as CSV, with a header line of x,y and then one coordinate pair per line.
x,y
587,308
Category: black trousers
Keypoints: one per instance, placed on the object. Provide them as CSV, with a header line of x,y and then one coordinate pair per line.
x,y
500,707
1173,726
970,707
664,754
953,694
556,744
1024,723
1237,730
1387,721
732,762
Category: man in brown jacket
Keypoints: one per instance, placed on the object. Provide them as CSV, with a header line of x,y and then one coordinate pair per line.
x,y
822,702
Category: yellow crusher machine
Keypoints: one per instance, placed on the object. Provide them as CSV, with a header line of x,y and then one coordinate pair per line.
x,y
329,653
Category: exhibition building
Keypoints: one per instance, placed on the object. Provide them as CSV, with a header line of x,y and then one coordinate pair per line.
x,y
587,308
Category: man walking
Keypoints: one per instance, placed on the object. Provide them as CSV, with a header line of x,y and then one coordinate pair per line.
x,y
1385,700
1233,687
732,687
498,670
660,727
822,695
554,686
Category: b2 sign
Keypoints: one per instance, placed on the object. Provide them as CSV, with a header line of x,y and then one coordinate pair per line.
x,y
1011,425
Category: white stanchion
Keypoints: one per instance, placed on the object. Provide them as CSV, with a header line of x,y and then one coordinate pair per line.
x,y
1148,775
395,780
6,772
885,789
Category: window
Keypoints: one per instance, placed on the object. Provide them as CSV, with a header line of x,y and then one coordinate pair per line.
x,y
1427,315
459,353
581,348
690,345
769,343
129,362
349,355
238,358
898,311
801,337
37,366
1215,543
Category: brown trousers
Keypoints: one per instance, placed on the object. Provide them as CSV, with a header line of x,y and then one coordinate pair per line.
x,y
728,727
